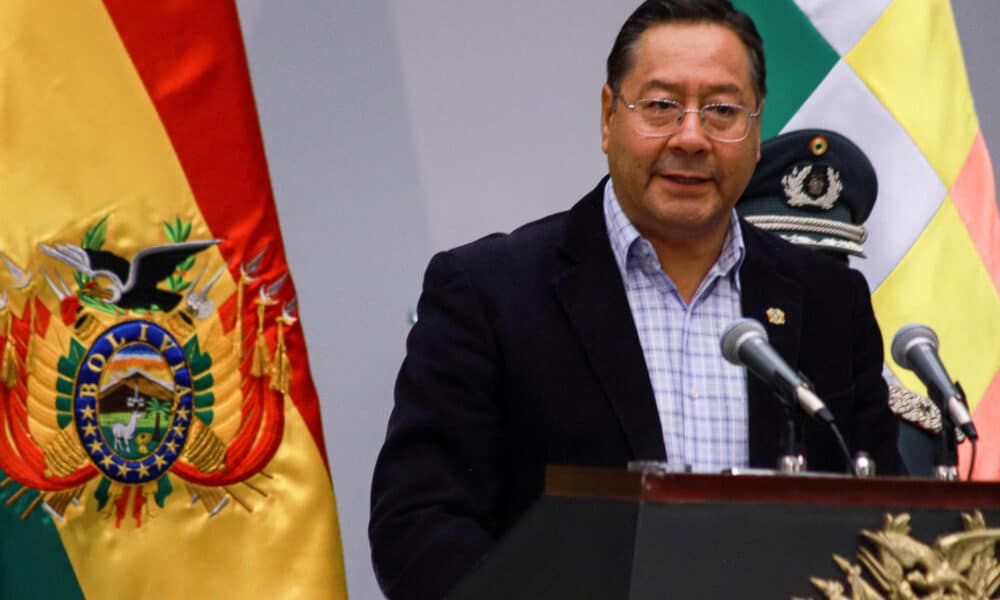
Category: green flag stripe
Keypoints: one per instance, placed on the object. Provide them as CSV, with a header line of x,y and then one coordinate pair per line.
x,y
48,573
791,75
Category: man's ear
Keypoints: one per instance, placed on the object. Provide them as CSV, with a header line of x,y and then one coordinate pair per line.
x,y
607,111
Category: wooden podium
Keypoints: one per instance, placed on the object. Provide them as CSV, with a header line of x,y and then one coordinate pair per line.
x,y
608,534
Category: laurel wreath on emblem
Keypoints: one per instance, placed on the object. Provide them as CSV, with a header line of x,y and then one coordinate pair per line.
x,y
134,378
794,186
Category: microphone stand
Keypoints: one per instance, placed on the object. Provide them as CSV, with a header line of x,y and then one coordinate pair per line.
x,y
793,459
946,451
793,438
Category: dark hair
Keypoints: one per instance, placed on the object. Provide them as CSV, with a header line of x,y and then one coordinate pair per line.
x,y
658,12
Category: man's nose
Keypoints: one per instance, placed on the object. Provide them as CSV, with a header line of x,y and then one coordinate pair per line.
x,y
690,135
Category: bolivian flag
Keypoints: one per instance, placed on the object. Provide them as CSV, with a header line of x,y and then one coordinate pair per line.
x,y
889,74
159,430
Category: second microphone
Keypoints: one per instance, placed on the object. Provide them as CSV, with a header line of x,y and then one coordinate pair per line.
x,y
745,343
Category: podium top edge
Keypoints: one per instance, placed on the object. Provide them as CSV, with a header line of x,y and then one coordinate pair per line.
x,y
622,485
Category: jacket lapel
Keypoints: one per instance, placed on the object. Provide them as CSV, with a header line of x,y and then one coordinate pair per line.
x,y
763,288
592,294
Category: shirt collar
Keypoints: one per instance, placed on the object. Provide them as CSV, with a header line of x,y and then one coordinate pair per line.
x,y
625,239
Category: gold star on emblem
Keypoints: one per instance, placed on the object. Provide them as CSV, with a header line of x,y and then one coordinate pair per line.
x,y
172,446
144,470
183,413
122,469
90,429
160,463
107,461
95,446
178,429
88,413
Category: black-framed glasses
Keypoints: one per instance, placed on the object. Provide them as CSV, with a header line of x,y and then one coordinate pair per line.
x,y
721,121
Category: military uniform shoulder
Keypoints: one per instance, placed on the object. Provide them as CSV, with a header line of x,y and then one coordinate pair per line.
x,y
914,408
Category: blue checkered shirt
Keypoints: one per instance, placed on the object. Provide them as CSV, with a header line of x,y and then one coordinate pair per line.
x,y
701,398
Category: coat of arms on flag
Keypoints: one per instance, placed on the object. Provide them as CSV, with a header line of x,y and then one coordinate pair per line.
x,y
117,361
155,394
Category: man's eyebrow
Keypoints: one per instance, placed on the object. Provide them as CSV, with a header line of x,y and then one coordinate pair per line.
x,y
658,85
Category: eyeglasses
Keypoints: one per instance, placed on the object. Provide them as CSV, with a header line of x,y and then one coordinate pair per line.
x,y
722,121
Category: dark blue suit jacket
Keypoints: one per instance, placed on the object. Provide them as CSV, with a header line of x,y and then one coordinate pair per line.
x,y
525,354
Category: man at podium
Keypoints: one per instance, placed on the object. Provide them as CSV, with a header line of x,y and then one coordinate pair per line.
x,y
591,337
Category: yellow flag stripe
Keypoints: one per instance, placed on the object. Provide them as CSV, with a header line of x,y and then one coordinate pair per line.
x,y
83,126
928,92
941,282
82,138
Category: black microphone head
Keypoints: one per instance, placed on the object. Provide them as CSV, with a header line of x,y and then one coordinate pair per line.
x,y
737,334
907,337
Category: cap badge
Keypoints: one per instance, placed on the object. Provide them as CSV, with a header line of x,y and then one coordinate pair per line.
x,y
818,145
804,188
816,185
775,316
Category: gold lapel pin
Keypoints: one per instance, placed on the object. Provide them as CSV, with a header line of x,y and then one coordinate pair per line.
x,y
775,316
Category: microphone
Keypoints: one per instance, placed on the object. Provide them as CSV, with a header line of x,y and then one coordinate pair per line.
x,y
915,348
744,343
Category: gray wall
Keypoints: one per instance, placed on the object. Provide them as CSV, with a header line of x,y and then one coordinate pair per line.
x,y
396,128
978,24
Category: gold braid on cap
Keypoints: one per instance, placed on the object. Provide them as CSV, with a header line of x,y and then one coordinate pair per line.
x,y
856,233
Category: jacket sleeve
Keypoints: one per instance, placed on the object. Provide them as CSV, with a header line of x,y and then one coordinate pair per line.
x,y
874,427
437,476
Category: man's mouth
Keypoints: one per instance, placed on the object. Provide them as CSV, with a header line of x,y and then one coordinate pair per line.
x,y
686,179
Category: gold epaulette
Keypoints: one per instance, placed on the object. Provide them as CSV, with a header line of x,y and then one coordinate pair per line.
x,y
914,408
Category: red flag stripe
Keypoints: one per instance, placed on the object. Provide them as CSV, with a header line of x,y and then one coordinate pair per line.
x,y
975,199
987,418
206,105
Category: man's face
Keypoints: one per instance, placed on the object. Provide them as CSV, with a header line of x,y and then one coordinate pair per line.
x,y
683,187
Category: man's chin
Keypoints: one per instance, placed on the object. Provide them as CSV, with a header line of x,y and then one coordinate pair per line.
x,y
695,207
691,219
